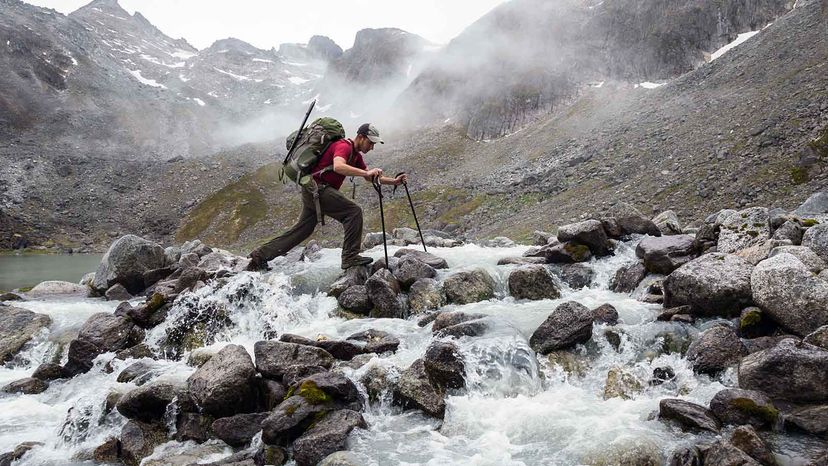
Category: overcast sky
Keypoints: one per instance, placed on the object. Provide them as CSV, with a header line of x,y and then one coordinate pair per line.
x,y
268,23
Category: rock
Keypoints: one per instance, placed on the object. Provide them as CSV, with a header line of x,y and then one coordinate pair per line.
x,y
218,261
799,308
324,387
271,393
568,325
147,403
791,230
414,390
237,431
6,297
19,451
574,364
521,260
739,407
27,386
326,436
410,269
55,287
291,418
686,456
445,320
499,242
627,278
81,355
138,440
743,229
605,314
758,252
715,349
666,253
533,282
17,327
377,381
713,284
126,261
805,255
295,374
379,264
342,350
755,345
109,332
818,337
383,290
444,365
621,384
565,253
469,287
49,371
746,439
577,276
662,375
589,233
722,453
138,373
425,295
341,458
355,299
426,257
754,323
195,247
194,426
810,419
352,276
816,206
117,292
689,415
223,386
375,341
631,221
273,358
107,452
792,371
668,223
153,276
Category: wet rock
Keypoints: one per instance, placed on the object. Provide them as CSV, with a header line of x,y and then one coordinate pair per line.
x,y
668,223
56,287
743,229
686,456
375,341
271,393
469,287
138,440
818,337
149,313
117,292
662,375
273,358
223,386
218,261
754,323
723,453
568,325
621,384
341,458
138,373
7,459
790,370
689,415
138,351
755,345
377,382
147,403
450,319
713,284
666,253
715,349
355,299
353,276
790,294
295,374
444,365
574,364
426,257
328,436
6,297
425,294
739,407
49,371
27,386
566,253
290,419
17,327
194,426
339,349
816,238
577,276
667,314
627,278
126,261
533,282
106,452
811,419
325,387
410,269
521,260
153,276
109,332
746,439
81,355
605,314
805,255
384,291
589,233
414,390
237,431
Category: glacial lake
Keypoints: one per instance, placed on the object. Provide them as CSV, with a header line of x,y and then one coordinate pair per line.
x,y
30,269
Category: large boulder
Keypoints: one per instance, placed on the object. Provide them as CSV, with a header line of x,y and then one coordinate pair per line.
x,y
327,436
805,255
444,365
791,230
291,418
27,386
425,294
790,294
355,299
375,341
569,252
815,207
415,390
110,332
739,407
148,402
627,278
410,269
426,257
533,282
715,349
816,238
568,325
589,233
577,276
689,415
713,284
668,223
469,287
56,287
663,254
791,370
630,221
744,229
126,261
139,439
274,358
812,419
384,292
237,431
223,386
17,327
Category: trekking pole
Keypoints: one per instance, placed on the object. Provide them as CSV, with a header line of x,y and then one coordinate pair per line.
x,y
413,212
378,188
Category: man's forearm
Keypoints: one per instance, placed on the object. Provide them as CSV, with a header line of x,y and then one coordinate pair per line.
x,y
387,180
347,170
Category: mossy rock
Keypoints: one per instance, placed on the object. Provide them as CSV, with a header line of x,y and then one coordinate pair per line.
x,y
750,319
809,222
155,302
312,393
579,252
767,413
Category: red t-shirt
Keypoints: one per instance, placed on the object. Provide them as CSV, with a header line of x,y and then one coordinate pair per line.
x,y
341,148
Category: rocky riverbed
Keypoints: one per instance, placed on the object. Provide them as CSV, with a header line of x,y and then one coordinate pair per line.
x,y
620,339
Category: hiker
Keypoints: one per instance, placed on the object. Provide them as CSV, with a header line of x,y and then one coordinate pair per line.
x,y
342,158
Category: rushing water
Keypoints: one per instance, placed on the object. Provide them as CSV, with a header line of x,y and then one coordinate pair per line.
x,y
17,271
517,409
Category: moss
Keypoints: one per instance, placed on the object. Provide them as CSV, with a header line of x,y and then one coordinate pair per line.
x,y
291,409
799,175
155,302
767,413
579,252
750,319
313,394
25,289
194,338
809,222
289,393
753,233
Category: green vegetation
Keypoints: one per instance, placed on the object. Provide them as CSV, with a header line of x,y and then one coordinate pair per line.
x,y
313,394
799,175
750,319
809,222
155,302
767,413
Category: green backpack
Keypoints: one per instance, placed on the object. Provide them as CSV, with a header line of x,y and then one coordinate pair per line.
x,y
314,141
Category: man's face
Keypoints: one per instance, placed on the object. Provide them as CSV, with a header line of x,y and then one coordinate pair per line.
x,y
363,144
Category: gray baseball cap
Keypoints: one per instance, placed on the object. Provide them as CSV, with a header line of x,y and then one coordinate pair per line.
x,y
371,132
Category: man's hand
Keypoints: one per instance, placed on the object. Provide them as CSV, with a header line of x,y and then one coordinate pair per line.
x,y
372,173
402,179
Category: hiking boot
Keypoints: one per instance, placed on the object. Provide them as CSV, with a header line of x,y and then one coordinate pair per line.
x,y
256,265
356,261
